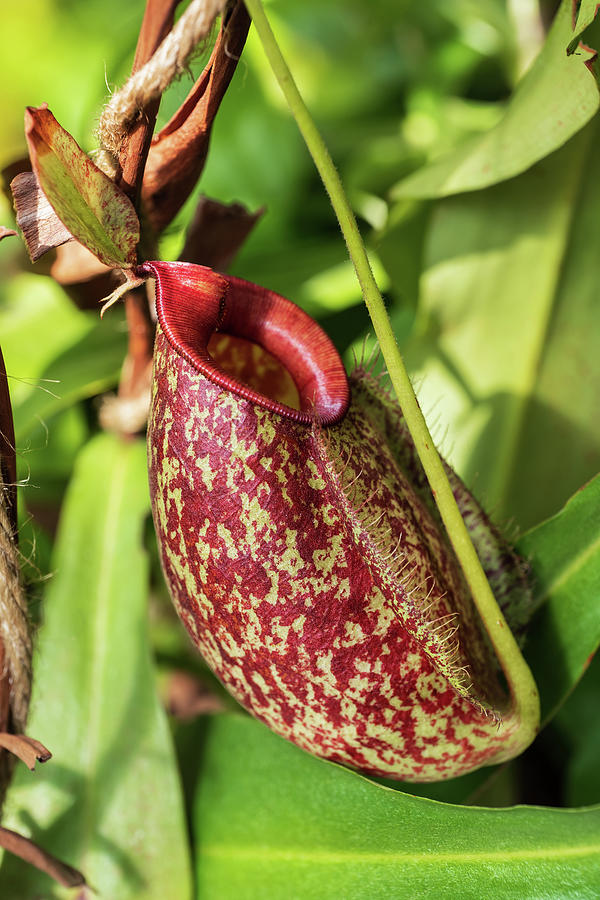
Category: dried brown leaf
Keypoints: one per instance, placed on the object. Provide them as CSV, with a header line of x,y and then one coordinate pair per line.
x,y
217,232
10,171
6,232
25,848
41,228
26,748
178,152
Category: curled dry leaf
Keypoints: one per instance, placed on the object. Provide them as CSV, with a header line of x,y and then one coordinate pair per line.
x,y
23,847
94,210
41,228
26,748
217,232
6,232
178,153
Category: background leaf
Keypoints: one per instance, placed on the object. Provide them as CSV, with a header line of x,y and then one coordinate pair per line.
x,y
555,99
507,326
564,553
268,816
109,801
578,729
90,365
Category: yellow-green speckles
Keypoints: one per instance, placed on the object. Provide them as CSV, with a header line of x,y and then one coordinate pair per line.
x,y
290,560
256,519
207,471
229,541
265,428
315,480
331,557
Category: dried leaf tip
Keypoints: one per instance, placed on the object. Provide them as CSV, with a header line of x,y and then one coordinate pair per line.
x,y
41,228
27,850
26,748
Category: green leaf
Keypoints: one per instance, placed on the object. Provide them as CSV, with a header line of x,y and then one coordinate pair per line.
x,y
55,354
92,207
564,553
579,727
273,822
109,801
508,322
588,10
553,101
37,323
87,367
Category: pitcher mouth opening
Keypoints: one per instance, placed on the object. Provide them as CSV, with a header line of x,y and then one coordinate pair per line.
x,y
299,375
249,364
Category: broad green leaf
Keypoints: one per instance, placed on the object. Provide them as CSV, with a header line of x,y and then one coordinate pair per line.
x,y
506,357
47,457
553,101
564,554
87,367
92,207
273,822
37,323
588,10
55,354
109,801
578,725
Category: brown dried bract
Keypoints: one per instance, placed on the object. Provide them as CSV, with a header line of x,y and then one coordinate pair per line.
x,y
217,232
42,229
25,848
26,748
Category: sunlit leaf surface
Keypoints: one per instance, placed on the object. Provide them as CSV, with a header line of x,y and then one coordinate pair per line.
x,y
554,100
508,322
268,816
564,553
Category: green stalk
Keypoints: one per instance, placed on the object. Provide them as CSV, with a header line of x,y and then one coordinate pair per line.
x,y
524,694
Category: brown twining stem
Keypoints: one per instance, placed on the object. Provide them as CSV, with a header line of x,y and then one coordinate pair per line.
x,y
8,467
141,338
156,24
21,846
8,461
172,163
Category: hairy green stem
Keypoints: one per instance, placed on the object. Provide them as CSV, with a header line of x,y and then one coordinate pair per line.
x,y
525,700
